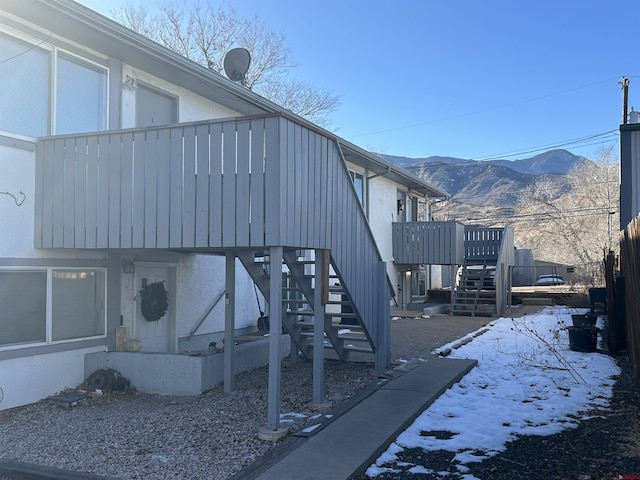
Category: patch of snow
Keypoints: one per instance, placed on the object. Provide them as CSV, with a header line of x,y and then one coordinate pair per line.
x,y
290,416
310,428
527,382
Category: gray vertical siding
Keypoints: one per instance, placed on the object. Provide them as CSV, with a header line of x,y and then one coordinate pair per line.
x,y
629,173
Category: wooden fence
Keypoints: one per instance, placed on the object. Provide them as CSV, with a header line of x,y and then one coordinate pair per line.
x,y
630,270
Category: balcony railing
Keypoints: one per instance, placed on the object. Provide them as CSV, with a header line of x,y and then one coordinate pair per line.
x,y
428,243
482,243
190,185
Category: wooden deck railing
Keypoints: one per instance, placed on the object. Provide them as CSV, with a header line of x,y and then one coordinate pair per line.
x,y
428,243
482,243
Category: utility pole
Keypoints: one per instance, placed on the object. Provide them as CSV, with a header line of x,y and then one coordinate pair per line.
x,y
624,83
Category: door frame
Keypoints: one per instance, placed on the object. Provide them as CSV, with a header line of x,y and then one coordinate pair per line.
x,y
171,289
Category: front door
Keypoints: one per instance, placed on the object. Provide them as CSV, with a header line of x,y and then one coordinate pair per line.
x,y
156,336
154,107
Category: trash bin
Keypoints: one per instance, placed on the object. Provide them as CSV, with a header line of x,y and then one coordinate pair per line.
x,y
598,299
584,320
583,339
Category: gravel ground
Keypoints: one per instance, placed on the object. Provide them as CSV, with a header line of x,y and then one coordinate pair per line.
x,y
130,435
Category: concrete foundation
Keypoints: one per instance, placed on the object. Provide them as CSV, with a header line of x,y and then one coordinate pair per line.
x,y
180,374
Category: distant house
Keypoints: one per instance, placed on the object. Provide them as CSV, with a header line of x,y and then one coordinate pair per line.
x,y
125,166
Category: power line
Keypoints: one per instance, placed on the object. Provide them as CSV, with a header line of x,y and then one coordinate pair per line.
x,y
462,115
551,146
549,215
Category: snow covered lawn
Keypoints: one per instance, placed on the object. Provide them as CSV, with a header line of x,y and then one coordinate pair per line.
x,y
527,382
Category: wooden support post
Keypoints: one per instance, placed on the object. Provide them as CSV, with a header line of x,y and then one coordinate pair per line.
x,y
275,330
114,306
318,327
229,322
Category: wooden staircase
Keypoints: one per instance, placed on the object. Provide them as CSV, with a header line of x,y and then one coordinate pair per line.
x,y
343,329
475,289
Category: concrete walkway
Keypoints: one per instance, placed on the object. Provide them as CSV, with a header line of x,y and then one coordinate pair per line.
x,y
354,440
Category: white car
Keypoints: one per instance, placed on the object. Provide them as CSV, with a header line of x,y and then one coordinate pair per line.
x,y
550,280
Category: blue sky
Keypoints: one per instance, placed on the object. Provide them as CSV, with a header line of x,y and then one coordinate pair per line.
x,y
463,78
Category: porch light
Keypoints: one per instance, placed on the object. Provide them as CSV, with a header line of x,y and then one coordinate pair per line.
x,y
128,266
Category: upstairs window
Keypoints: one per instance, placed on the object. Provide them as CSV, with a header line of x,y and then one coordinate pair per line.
x,y
81,96
24,96
46,91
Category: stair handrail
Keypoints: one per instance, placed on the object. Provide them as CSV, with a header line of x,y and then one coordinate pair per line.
x,y
205,314
503,268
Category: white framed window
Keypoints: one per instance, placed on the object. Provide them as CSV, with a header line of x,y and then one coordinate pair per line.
x,y
48,91
51,305
81,95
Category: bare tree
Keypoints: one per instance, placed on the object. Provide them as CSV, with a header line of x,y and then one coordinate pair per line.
x,y
576,227
204,33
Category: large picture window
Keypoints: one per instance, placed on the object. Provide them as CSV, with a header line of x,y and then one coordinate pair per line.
x,y
42,306
23,311
32,104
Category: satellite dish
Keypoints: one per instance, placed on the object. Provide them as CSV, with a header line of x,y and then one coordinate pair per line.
x,y
236,64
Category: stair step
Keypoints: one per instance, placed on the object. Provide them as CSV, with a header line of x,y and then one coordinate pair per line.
x,y
309,313
353,337
343,336
346,326
303,324
309,335
356,348
302,313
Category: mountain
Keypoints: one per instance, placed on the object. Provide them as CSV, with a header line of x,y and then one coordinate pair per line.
x,y
552,161
492,182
